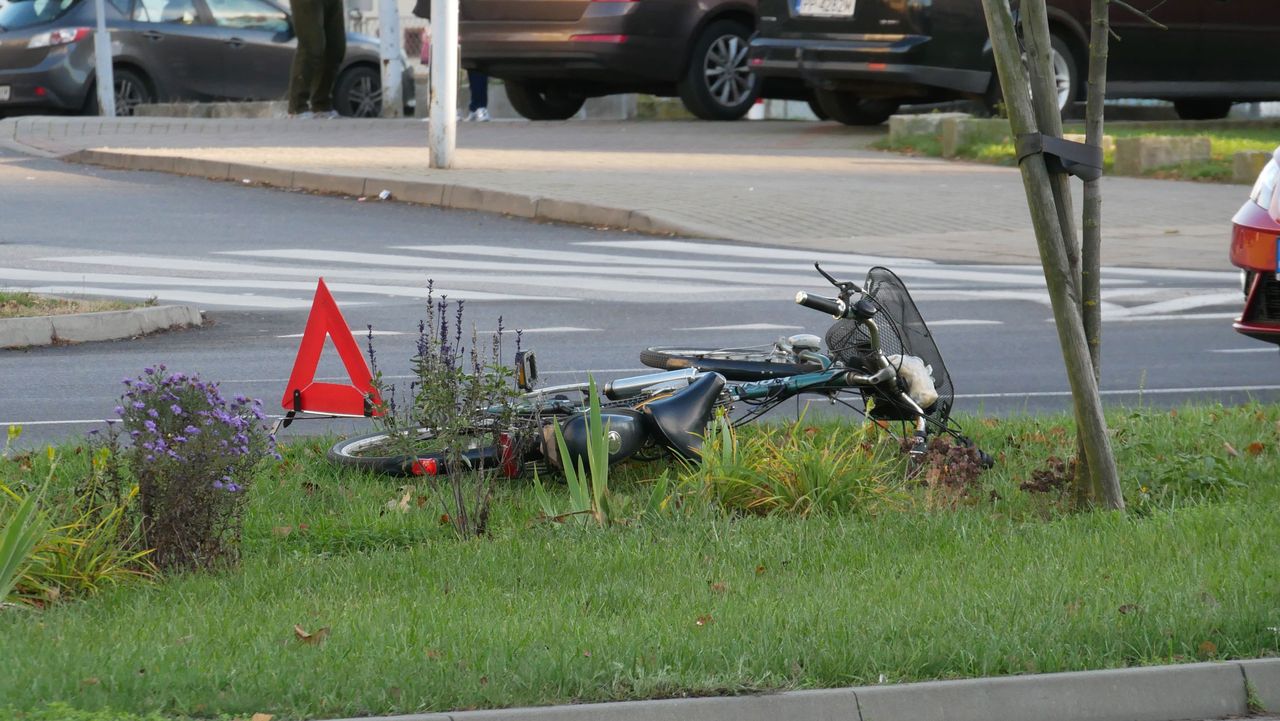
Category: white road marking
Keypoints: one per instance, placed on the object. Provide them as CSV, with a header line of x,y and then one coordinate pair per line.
x,y
1179,316
746,326
756,251
1180,304
1125,392
1268,349
555,329
935,323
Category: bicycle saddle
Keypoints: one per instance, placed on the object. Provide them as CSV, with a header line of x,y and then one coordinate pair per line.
x,y
681,420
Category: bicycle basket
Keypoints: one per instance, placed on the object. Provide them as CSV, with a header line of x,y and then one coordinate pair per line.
x,y
902,332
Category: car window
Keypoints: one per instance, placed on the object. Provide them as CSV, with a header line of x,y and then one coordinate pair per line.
x,y
248,14
181,12
25,13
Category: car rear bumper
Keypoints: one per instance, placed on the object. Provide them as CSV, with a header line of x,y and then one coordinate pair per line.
x,y
1255,237
612,43
58,82
862,61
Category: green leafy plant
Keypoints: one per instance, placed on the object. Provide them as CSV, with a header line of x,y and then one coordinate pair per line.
x,y
588,484
796,469
23,528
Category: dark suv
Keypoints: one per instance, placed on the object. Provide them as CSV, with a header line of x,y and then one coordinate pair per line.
x,y
864,59
554,54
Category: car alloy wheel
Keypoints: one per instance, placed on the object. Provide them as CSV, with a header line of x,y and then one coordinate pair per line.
x,y
1061,77
365,97
725,71
129,94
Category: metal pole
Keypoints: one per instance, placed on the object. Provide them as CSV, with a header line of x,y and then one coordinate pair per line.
x,y
443,127
102,63
392,63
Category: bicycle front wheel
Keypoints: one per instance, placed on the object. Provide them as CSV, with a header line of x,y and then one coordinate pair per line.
x,y
735,364
385,453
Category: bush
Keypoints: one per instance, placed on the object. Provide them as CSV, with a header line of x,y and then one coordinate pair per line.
x,y
194,455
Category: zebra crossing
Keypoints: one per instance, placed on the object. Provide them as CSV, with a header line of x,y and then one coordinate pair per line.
x,y
641,271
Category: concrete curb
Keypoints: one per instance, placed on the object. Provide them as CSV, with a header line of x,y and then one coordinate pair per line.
x,y
85,327
444,195
1155,693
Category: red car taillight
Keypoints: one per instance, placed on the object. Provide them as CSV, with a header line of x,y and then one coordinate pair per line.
x,y
61,36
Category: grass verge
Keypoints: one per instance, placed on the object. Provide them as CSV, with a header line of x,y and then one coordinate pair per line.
x,y
21,304
1224,144
346,605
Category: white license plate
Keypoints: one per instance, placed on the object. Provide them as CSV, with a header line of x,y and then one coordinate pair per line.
x,y
825,8
4,93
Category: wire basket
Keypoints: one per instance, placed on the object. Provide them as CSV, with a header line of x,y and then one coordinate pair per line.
x,y
902,332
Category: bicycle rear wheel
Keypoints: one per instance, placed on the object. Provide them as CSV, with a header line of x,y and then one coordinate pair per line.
x,y
735,364
384,453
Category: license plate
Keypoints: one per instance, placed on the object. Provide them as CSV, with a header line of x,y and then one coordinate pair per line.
x,y
4,93
825,8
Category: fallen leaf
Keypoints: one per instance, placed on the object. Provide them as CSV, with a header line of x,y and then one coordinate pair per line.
x,y
484,680
444,519
91,681
1207,648
704,620
282,531
309,488
719,586
1255,448
315,638
422,501
1129,608
433,654
1231,450
1173,412
402,504
261,717
760,570
184,640
586,653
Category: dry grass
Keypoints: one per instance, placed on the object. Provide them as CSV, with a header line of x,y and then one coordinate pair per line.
x,y
27,305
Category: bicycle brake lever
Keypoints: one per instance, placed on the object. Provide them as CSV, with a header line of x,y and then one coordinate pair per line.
x,y
847,288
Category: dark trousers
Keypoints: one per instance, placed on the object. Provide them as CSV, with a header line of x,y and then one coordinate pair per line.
x,y
479,83
322,43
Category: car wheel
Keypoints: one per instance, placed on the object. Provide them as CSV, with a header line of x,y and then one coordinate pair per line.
x,y
719,84
853,109
1202,108
1066,78
536,103
358,93
131,91
816,107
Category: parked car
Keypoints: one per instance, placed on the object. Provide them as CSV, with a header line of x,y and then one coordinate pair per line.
x,y
864,61
554,54
166,50
1255,235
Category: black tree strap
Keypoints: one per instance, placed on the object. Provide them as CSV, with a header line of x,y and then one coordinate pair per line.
x,y
1062,156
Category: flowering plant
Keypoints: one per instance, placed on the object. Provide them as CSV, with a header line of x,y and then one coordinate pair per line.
x,y
193,454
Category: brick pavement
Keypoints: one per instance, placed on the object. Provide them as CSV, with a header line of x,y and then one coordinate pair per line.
x,y
810,185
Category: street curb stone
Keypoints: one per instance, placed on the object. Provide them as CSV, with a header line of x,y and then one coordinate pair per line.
x,y
1154,693
85,327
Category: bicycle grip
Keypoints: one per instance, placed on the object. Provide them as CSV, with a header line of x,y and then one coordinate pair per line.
x,y
834,307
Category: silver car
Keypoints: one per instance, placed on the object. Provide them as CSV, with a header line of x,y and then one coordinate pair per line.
x,y
164,51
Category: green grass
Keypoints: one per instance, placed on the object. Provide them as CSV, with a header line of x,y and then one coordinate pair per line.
x,y
21,304
694,603
1223,143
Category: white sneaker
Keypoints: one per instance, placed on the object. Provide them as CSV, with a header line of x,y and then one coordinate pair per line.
x,y
304,115
328,115
482,115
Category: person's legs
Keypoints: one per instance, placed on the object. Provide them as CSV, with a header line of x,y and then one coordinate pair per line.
x,y
308,27
479,83
334,28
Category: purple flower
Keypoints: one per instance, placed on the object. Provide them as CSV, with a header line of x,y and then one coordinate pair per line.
x,y
233,487
119,410
127,381
149,370
153,413
138,405
217,485
191,430
177,409
150,425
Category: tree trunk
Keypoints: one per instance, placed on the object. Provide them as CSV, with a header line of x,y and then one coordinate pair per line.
x,y
1053,253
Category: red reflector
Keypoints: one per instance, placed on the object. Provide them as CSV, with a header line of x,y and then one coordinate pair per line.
x,y
426,467
877,66
755,62
40,92
598,38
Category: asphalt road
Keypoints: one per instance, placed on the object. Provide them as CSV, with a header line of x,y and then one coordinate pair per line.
x,y
587,299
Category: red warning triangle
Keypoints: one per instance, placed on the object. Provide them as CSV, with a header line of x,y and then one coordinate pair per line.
x,y
303,394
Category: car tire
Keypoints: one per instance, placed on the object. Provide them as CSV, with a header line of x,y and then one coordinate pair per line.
x,y
718,83
358,93
538,103
132,89
816,107
853,109
1202,108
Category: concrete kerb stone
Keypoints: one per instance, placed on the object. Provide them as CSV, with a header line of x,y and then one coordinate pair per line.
x,y
85,327
1246,164
1136,155
329,183
1159,693
275,177
566,211
465,197
1262,678
904,126
409,191
956,132
201,168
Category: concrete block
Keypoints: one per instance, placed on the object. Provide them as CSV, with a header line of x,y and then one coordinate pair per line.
x,y
825,705
903,126
1247,164
328,183
466,197
960,131
157,163
566,211
410,191
1135,156
1202,690
116,324
23,332
1108,141
1263,678
275,177
200,168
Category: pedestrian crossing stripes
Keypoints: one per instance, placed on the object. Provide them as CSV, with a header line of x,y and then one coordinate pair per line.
x,y
647,271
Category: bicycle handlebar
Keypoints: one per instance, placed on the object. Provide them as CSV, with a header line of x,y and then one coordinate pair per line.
x,y
834,307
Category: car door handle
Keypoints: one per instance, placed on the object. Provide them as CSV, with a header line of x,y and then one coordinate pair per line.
x,y
153,36
235,42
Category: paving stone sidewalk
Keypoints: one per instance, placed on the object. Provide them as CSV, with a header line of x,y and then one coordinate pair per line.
x,y
807,185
